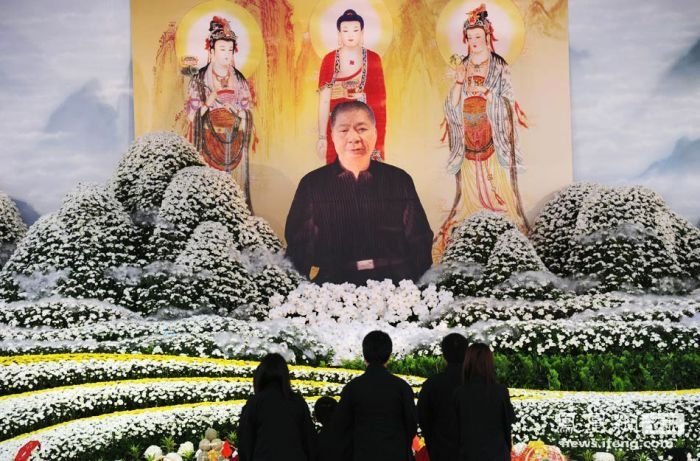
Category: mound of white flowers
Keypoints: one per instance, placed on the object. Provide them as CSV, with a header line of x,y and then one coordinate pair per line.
x,y
12,228
166,232
618,238
488,256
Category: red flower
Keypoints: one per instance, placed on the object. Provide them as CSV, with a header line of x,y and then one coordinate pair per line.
x,y
227,450
26,451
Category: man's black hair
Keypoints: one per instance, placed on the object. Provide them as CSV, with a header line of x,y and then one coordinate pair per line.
x,y
453,348
349,106
376,347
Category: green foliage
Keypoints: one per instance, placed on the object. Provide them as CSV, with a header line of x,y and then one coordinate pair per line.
x,y
409,365
625,372
134,452
168,444
232,437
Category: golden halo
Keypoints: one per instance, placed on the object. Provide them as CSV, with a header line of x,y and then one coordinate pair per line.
x,y
506,18
378,30
193,30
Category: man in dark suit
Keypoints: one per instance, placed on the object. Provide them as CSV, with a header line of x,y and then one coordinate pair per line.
x,y
436,405
357,219
376,417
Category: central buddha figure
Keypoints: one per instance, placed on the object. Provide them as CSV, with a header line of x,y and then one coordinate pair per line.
x,y
350,73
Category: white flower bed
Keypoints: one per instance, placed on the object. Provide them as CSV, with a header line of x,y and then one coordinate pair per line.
x,y
205,335
81,439
468,311
27,373
622,417
549,416
130,328
342,303
61,313
571,336
397,310
28,411
305,326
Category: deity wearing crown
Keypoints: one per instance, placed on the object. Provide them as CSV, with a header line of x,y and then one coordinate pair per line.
x,y
482,123
219,107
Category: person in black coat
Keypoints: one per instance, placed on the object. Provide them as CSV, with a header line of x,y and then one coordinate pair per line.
x,y
376,418
435,403
275,423
483,410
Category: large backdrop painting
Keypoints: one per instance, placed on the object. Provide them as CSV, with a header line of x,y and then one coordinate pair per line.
x,y
470,98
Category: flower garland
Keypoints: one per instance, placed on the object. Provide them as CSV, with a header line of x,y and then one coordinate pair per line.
x,y
34,372
30,410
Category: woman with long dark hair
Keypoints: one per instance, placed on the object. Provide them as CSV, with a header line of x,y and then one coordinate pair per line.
x,y
484,412
275,423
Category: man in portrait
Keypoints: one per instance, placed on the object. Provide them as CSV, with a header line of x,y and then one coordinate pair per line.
x,y
357,218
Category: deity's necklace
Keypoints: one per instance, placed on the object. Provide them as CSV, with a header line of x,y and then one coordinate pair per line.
x,y
223,81
477,66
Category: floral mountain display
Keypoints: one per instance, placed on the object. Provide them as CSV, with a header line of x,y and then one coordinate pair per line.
x,y
488,256
127,316
165,233
12,228
195,195
72,252
147,169
618,238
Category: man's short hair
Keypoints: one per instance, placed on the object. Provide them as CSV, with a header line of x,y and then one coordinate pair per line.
x,y
453,348
376,347
348,106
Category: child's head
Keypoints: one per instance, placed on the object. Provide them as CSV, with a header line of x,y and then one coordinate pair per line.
x,y
324,409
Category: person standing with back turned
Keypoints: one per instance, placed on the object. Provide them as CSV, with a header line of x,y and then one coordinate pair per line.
x,y
483,410
376,410
275,423
435,403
